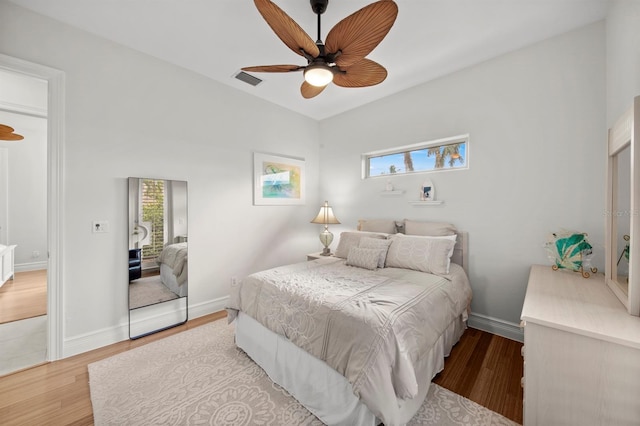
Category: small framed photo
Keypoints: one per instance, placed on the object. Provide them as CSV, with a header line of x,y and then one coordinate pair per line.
x,y
278,180
428,191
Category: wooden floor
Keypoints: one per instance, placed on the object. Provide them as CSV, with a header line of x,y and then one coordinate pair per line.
x,y
482,367
486,369
24,297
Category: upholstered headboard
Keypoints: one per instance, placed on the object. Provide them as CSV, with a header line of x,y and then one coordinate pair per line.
x,y
461,251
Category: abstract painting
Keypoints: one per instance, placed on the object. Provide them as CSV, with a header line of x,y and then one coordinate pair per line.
x,y
278,180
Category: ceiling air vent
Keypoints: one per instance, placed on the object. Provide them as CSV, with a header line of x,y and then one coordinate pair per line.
x,y
248,78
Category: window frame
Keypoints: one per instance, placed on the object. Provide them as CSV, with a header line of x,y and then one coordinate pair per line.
x,y
365,158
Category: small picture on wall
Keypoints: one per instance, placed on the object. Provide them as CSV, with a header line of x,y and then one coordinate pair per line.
x,y
278,180
427,191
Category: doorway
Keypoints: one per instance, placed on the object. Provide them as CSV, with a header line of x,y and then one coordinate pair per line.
x,y
48,258
23,221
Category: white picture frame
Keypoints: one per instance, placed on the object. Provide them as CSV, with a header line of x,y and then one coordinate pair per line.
x,y
278,180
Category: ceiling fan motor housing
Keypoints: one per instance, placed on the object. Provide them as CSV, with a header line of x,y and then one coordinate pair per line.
x,y
319,6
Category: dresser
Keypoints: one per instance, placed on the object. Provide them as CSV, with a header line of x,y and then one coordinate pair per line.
x,y
6,263
581,352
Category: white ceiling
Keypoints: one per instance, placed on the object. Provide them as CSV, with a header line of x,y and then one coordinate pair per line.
x,y
216,38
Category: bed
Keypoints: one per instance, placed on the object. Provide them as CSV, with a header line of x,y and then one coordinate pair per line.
x,y
355,343
173,268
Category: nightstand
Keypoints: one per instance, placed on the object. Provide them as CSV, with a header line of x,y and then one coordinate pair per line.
x,y
318,255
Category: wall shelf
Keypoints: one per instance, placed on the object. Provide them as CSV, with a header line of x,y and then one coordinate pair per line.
x,y
426,203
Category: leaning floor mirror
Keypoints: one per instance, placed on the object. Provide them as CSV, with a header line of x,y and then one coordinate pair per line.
x,y
158,262
623,209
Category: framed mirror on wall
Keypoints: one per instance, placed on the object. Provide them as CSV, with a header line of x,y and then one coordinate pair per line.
x,y
623,209
158,262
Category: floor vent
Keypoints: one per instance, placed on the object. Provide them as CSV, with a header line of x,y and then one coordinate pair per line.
x,y
248,78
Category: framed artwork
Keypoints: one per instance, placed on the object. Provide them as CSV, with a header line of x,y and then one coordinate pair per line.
x,y
277,180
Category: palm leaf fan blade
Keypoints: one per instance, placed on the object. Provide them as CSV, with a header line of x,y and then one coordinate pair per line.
x,y
273,68
286,28
10,137
359,33
362,74
5,129
309,91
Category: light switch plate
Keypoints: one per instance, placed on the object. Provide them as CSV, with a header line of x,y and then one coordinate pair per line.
x,y
100,226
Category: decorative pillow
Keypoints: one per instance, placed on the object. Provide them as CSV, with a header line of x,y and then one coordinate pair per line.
x,y
363,257
374,243
377,225
350,239
432,255
430,229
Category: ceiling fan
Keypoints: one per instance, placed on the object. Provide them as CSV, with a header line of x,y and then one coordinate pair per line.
x,y
6,134
341,58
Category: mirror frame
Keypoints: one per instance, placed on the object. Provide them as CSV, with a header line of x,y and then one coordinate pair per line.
x,y
156,316
624,133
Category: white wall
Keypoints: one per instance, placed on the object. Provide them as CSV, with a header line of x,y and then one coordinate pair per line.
x,y
536,119
623,57
128,114
27,190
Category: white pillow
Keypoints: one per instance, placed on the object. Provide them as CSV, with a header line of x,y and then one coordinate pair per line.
x,y
350,239
375,243
431,229
377,225
363,257
426,254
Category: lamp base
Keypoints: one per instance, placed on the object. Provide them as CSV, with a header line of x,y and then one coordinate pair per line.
x,y
325,238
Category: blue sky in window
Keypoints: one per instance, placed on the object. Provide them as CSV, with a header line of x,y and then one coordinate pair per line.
x,y
381,165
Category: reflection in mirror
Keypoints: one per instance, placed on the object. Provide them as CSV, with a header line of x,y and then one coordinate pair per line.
x,y
623,217
158,261
622,272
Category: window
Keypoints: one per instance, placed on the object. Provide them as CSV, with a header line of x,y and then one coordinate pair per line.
x,y
153,207
442,154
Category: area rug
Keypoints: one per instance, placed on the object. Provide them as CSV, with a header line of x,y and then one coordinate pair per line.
x,y
200,377
147,291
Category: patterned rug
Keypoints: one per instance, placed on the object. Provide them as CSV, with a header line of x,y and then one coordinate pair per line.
x,y
200,377
147,291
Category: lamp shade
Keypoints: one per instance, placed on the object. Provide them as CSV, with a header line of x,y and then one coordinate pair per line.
x,y
325,216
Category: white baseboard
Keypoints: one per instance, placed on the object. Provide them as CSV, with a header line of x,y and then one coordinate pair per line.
x,y
208,307
496,326
96,339
32,266
107,336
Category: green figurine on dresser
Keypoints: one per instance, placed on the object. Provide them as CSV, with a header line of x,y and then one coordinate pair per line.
x,y
570,250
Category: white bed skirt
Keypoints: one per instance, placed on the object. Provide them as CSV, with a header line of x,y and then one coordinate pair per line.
x,y
321,389
169,280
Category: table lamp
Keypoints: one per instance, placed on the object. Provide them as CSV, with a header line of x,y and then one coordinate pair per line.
x,y
325,217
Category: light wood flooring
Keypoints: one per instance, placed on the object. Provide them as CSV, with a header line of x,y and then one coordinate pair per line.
x,y
482,367
24,297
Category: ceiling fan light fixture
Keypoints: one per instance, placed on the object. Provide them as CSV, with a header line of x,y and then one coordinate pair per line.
x,y
318,75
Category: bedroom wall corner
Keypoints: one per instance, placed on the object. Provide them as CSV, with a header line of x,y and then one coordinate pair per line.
x,y
129,114
623,57
536,119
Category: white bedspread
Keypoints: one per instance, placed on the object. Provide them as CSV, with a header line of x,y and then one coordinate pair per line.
x,y
175,256
372,327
